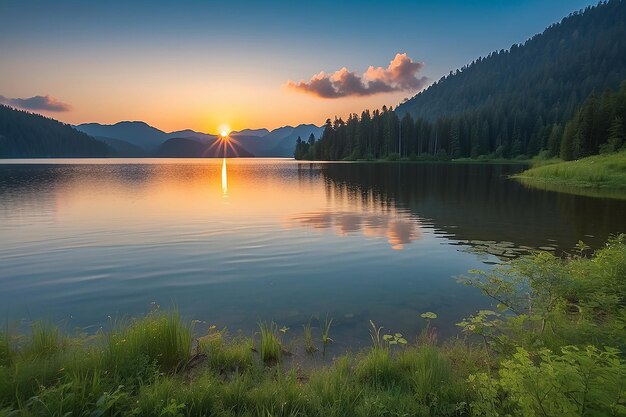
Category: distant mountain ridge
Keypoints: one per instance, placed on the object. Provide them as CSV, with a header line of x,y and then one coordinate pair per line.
x,y
128,136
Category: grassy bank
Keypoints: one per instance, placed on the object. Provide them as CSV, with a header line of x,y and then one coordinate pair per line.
x,y
542,351
599,175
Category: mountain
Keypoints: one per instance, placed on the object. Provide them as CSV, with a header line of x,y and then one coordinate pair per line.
x,y
250,132
29,135
122,148
191,134
121,136
511,104
136,133
512,99
286,146
190,148
280,142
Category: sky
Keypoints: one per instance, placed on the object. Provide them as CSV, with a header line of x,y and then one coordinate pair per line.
x,y
245,64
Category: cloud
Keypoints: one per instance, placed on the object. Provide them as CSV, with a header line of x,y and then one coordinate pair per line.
x,y
400,75
46,103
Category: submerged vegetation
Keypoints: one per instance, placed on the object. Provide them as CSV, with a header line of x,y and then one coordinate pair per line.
x,y
553,345
602,175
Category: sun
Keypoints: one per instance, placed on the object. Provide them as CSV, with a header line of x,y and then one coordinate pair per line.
x,y
224,130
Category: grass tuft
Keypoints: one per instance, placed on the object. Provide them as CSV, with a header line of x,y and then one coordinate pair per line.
x,y
158,338
270,347
309,347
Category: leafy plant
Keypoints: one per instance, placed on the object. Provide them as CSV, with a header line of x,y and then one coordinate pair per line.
x,y
394,339
428,335
578,382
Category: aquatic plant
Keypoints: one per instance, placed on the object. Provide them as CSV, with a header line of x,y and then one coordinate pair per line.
x,y
325,329
394,339
308,338
375,335
270,348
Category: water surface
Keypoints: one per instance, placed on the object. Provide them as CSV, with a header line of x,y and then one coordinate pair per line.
x,y
237,241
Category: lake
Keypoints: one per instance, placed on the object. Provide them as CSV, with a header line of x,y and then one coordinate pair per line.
x,y
237,241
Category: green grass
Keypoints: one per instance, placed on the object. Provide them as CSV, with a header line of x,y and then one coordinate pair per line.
x,y
325,329
223,357
269,347
600,175
309,347
544,359
162,339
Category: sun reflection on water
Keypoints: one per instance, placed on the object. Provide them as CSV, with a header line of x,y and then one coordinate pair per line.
x,y
224,178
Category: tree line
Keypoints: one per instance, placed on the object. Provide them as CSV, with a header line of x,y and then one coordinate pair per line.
x,y
597,127
509,104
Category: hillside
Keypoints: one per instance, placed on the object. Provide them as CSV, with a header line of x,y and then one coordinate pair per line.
x,y
511,104
512,98
28,135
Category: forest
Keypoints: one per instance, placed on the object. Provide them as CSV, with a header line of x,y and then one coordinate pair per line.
x,y
596,127
511,104
28,135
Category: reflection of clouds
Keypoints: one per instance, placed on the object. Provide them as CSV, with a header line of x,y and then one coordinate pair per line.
x,y
400,229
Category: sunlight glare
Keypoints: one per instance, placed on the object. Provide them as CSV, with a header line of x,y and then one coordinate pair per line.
x,y
224,178
224,130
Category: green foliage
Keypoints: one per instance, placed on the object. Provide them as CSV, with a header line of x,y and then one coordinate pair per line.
x,y
551,301
578,382
540,352
429,315
270,347
597,127
395,339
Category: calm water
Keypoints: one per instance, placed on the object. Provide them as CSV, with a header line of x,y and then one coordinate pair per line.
x,y
263,239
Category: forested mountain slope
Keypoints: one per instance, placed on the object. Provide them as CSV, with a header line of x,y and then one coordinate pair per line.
x,y
517,95
28,135
509,104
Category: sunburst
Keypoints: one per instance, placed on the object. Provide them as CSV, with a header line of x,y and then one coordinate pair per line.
x,y
224,142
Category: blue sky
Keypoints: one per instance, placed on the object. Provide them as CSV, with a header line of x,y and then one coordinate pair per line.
x,y
189,57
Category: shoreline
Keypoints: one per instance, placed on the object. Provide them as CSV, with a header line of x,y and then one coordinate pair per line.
x,y
594,176
154,365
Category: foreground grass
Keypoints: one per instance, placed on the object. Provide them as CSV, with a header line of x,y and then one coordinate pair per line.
x,y
600,175
542,353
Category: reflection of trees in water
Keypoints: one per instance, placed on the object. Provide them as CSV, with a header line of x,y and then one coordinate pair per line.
x,y
352,210
478,203
399,229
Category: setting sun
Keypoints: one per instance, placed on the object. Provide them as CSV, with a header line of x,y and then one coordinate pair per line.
x,y
224,130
